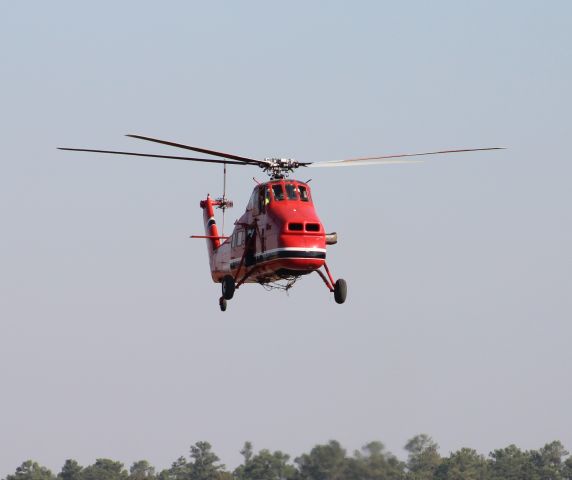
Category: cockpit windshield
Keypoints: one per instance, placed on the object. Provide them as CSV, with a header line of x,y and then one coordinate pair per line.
x,y
291,191
278,192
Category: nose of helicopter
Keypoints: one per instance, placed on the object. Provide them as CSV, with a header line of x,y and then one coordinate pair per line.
x,y
301,236
297,221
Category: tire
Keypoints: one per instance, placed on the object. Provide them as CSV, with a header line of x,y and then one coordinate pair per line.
x,y
228,287
340,291
222,304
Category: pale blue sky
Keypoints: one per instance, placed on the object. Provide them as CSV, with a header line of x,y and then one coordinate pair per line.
x,y
458,318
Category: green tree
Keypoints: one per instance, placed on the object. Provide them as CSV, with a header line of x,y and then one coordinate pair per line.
x,y
510,463
142,470
264,466
567,469
324,462
549,461
205,464
30,470
70,471
105,469
423,457
180,470
465,464
247,452
373,462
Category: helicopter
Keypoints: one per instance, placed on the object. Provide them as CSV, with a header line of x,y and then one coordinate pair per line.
x,y
279,238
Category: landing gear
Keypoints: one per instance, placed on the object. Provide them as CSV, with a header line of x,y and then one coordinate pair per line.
x,y
340,290
222,304
228,287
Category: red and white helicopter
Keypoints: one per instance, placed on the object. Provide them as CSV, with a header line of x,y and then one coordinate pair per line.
x,y
280,236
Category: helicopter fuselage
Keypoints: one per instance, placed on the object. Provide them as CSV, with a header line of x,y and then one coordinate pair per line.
x,y
279,236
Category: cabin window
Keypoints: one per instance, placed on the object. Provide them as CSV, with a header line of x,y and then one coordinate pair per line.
x,y
303,193
278,192
240,238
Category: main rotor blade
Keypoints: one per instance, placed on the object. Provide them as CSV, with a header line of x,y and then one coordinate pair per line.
x,y
386,159
358,163
251,161
206,160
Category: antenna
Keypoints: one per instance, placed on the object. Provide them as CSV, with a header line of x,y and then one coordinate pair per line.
x,y
223,196
222,202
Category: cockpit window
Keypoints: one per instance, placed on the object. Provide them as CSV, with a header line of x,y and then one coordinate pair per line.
x,y
278,192
303,193
291,191
266,195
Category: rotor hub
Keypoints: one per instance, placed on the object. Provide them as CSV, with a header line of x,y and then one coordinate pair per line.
x,y
279,167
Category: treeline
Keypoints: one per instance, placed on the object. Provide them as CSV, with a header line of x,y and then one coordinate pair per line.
x,y
331,462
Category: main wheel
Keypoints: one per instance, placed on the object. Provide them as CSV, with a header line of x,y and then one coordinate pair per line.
x,y
228,287
340,291
222,304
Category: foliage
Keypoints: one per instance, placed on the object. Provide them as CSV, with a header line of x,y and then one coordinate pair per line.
x,y
509,463
423,459
104,469
373,462
465,464
204,465
142,470
324,462
30,470
330,461
264,465
70,471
